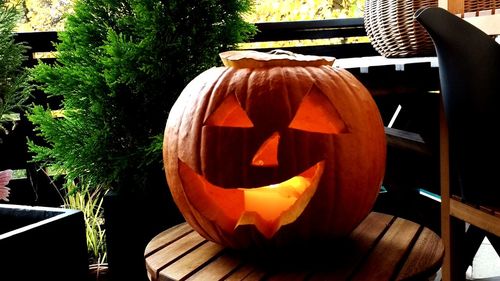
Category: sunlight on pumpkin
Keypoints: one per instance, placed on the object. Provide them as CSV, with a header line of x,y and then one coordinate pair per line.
x,y
230,114
317,114
267,208
267,155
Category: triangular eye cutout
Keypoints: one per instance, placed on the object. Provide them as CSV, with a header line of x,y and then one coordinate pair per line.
x,y
229,114
317,114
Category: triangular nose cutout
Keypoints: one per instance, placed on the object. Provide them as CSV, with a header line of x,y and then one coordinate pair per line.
x,y
267,155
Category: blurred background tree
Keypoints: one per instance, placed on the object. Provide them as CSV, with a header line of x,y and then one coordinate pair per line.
x,y
44,15
293,10
303,10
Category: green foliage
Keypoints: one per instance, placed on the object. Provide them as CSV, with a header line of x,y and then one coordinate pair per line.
x,y
120,66
13,83
89,201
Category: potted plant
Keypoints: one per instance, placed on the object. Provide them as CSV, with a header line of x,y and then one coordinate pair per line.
x,y
120,66
42,243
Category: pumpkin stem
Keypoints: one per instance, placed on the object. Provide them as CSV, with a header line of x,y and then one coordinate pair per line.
x,y
282,52
254,59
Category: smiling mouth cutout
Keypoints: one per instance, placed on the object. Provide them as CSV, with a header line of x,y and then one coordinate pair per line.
x,y
267,207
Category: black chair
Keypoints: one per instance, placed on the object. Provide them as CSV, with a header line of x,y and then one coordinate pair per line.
x,y
469,69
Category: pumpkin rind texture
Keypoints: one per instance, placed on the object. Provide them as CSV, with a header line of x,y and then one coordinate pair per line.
x,y
274,150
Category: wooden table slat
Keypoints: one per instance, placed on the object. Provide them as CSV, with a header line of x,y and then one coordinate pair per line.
x,y
172,252
371,228
256,275
217,269
241,273
384,259
192,261
366,234
167,237
423,253
288,276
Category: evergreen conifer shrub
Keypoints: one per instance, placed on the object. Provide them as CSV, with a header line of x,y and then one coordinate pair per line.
x,y
120,66
13,81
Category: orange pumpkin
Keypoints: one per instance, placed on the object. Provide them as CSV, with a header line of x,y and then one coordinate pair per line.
x,y
273,149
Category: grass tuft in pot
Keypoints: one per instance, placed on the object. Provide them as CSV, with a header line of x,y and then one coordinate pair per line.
x,y
89,201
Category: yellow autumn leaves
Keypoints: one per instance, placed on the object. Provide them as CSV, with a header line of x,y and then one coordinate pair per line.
x,y
293,10
45,15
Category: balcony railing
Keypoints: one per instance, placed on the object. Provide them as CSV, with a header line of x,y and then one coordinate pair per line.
x,y
342,32
322,30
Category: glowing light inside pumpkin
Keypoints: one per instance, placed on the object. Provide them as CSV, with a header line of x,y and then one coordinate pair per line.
x,y
267,155
316,114
276,197
229,114
267,207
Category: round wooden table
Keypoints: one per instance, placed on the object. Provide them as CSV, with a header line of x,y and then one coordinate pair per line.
x,y
382,247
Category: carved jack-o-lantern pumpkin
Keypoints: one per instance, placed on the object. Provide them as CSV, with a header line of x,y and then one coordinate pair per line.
x,y
273,149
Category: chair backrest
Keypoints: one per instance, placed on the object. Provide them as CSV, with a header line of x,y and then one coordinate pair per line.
x,y
469,69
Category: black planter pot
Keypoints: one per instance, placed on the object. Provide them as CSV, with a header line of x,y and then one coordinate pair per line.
x,y
132,219
42,243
